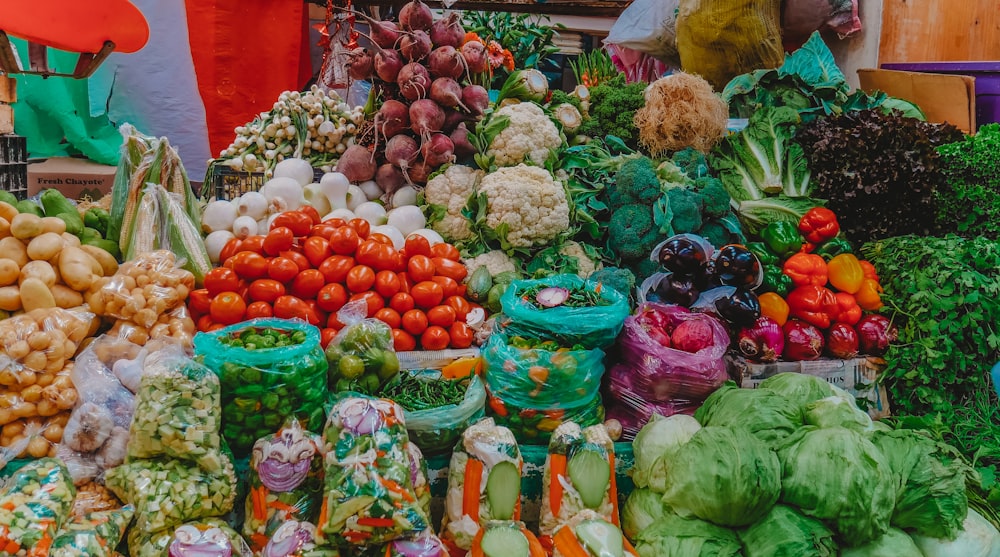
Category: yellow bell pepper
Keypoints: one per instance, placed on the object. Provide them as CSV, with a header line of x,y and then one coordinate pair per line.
x,y
845,273
773,306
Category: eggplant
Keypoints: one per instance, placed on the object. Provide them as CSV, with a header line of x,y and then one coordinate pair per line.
x,y
735,265
742,308
685,254
678,289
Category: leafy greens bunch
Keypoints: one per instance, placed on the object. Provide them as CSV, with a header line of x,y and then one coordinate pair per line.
x,y
968,203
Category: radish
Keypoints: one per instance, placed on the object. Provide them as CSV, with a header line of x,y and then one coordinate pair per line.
x,y
426,116
360,63
415,15
415,46
401,150
445,61
392,118
389,178
438,150
413,81
460,139
447,92
475,56
384,33
448,31
476,98
419,172
388,64
452,118
356,164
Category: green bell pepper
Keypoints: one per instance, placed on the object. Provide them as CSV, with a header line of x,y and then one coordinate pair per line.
x,y
834,247
764,255
782,238
775,280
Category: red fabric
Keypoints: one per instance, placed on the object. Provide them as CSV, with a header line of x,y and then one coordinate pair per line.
x,y
246,52
74,25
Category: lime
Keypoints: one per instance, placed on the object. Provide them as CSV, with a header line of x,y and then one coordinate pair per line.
x,y
351,367
389,367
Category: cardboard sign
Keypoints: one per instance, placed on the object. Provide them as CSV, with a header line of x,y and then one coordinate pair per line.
x,y
942,97
78,179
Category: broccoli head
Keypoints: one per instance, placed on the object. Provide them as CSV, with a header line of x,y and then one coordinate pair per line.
x,y
686,205
635,182
559,97
631,233
612,108
714,196
716,233
645,269
692,162
618,278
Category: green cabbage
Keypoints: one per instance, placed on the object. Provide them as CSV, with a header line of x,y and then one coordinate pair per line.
x,y
837,411
725,476
784,532
929,478
978,538
800,388
653,441
838,476
768,415
642,508
895,543
674,536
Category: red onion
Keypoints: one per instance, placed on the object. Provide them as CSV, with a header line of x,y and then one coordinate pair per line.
x,y
875,332
552,297
693,336
802,341
841,341
763,341
282,476
654,318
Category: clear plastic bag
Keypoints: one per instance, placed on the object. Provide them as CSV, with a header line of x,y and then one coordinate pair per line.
x,y
144,288
418,477
202,538
632,410
286,482
649,27
424,545
436,430
566,492
178,412
95,534
167,493
362,356
262,387
534,426
369,497
37,344
176,325
489,461
34,504
92,497
495,536
594,326
296,539
35,437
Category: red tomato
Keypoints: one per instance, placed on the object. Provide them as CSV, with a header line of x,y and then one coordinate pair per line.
x,y
290,307
299,223
335,222
420,268
231,248
322,230
448,286
427,294
401,302
446,251
403,341
199,301
336,267
451,269
278,240
316,250
386,283
460,305
361,226
230,263
221,280
265,290
282,269
253,243
405,284
386,258
205,323
434,338
321,315
344,240
374,301
258,310
331,297
415,322
228,308
389,316
381,238
312,213
461,335
360,279
442,316
300,260
368,253
399,262
307,284
417,245
249,265
326,336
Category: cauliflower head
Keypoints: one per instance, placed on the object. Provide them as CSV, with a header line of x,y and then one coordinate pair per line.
x,y
495,261
585,265
451,190
529,136
529,201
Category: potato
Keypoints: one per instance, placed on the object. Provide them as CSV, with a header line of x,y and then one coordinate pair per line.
x,y
107,261
70,239
36,295
40,270
10,298
7,211
77,268
38,447
9,272
25,226
13,249
65,296
54,225
4,227
45,246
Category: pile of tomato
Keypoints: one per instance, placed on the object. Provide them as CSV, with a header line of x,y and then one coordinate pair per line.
x,y
307,269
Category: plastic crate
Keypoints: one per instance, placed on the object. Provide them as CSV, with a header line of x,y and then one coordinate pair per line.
x,y
987,76
14,165
228,184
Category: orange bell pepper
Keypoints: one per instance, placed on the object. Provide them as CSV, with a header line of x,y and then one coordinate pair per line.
x,y
846,273
813,304
869,296
869,270
773,306
806,269
848,310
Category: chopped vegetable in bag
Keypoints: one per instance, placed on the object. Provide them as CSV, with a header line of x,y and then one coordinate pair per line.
x,y
484,482
269,369
588,534
34,503
286,482
426,544
579,476
296,539
369,496
177,411
167,493
418,477
535,425
96,534
362,356
204,538
505,538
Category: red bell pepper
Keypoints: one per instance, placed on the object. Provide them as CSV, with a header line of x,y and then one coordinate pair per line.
x,y
869,270
818,225
848,310
813,304
805,269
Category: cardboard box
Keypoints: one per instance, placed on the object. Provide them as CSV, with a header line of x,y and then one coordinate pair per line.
x,y
8,89
942,97
75,178
858,377
6,118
